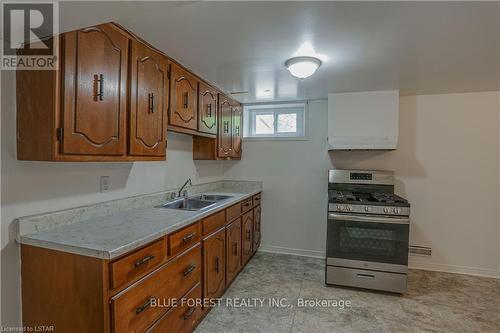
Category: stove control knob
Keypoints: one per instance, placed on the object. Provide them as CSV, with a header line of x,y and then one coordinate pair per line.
x,y
387,210
396,210
368,209
349,208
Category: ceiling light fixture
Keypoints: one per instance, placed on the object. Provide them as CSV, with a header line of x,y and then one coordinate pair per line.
x,y
302,67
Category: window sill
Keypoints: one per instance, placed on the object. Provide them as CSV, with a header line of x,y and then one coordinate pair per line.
x,y
278,138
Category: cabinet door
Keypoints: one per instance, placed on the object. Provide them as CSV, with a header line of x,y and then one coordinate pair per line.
x,y
246,235
183,98
148,101
256,228
237,127
233,250
225,127
207,109
214,249
95,91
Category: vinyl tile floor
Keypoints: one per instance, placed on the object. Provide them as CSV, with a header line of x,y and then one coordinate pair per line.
x,y
434,302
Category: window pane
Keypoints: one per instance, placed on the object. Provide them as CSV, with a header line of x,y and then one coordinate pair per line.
x,y
287,123
264,124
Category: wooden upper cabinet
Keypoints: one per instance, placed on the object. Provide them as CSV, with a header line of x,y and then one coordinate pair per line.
x,y
95,63
237,128
207,109
214,249
183,99
225,145
148,101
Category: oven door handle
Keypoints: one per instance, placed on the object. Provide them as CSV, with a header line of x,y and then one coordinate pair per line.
x,y
363,218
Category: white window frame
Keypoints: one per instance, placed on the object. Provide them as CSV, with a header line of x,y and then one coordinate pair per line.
x,y
250,112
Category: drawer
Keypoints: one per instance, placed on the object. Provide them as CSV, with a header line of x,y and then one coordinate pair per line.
x,y
183,317
184,239
134,310
246,205
137,264
233,212
361,278
213,222
256,199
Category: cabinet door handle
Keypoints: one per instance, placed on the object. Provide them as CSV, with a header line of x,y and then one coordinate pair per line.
x,y
217,268
226,126
189,313
188,237
209,110
144,306
151,102
185,100
98,87
143,261
248,234
189,270
237,131
235,248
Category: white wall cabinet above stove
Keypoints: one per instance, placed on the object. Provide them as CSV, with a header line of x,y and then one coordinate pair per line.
x,y
363,120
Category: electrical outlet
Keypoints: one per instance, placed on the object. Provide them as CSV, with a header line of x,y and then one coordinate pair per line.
x,y
104,184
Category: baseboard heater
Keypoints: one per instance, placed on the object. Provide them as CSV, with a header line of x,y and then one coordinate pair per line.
x,y
420,250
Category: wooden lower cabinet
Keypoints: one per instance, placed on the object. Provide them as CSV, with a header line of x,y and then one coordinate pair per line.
x,y
214,264
233,250
133,292
247,237
257,234
132,311
182,318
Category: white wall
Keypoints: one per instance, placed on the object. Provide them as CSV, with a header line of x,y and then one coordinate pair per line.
x,y
295,186
447,165
37,187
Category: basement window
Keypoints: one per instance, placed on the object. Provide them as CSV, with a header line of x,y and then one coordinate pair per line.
x,y
275,121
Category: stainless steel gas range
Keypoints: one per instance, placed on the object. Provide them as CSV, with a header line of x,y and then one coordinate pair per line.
x,y
367,232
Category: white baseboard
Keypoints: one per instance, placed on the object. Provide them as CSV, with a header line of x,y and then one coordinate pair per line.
x,y
288,250
413,263
431,266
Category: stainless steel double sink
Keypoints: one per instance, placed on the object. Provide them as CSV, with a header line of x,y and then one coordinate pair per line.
x,y
195,202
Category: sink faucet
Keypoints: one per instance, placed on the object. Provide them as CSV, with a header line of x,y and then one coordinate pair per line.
x,y
183,186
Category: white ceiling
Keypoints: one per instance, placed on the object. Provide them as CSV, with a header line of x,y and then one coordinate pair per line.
x,y
417,47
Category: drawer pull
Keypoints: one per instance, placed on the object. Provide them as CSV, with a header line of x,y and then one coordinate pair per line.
x,y
365,276
188,237
143,261
189,270
143,307
189,313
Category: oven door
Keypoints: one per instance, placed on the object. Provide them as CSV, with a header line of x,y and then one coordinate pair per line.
x,y
367,239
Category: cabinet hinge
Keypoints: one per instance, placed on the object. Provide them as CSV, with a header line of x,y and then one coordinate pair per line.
x,y
59,134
